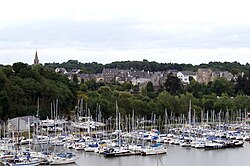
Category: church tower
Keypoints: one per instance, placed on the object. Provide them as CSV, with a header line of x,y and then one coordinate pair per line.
x,y
36,60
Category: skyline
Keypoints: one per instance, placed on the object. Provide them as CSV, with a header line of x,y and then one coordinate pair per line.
x,y
163,31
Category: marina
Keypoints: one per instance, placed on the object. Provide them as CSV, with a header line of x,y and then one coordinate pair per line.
x,y
30,141
124,83
67,144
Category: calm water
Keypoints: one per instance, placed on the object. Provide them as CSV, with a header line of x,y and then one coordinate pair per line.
x,y
176,156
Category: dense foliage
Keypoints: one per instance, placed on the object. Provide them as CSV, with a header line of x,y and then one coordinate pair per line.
x,y
219,96
21,85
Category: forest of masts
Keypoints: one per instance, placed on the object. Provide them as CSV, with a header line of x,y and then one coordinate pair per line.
x,y
130,123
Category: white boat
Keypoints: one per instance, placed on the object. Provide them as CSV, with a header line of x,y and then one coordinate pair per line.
x,y
200,145
214,145
176,142
101,149
135,149
246,138
63,158
153,150
116,152
185,144
91,147
103,146
6,155
79,146
235,143
22,161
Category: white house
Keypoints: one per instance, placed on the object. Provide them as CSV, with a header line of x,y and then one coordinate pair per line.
x,y
140,81
61,70
184,76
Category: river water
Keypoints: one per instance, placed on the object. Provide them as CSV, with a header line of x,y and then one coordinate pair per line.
x,y
176,156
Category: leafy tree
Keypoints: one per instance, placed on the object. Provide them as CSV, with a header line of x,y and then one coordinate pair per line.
x,y
127,86
240,84
247,87
223,103
221,85
75,79
173,84
166,101
242,102
208,101
83,87
149,87
195,88
150,90
144,91
4,104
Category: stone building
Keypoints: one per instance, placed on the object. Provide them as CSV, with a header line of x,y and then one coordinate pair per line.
x,y
204,75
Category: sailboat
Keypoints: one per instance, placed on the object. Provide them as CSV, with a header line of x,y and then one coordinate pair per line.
x,y
117,151
63,158
153,150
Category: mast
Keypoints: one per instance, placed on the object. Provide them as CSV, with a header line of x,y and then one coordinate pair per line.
x,y
202,118
207,117
29,131
119,129
51,110
81,107
189,114
133,120
166,120
56,109
37,115
194,117
117,114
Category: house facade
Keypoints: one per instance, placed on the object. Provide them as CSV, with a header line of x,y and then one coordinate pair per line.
x,y
185,76
204,75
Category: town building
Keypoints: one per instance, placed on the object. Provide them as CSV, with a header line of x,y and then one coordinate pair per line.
x,y
225,74
185,76
204,75
110,75
61,70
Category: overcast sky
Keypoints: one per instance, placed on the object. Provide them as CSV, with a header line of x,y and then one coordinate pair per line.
x,y
177,31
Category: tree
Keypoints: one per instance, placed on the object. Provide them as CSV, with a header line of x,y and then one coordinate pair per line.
x,y
195,88
173,84
150,90
240,84
165,101
127,86
208,101
221,85
75,79
83,87
4,105
247,87
144,91
105,91
223,103
242,102
149,87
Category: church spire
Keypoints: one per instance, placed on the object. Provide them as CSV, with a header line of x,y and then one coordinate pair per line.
x,y
36,60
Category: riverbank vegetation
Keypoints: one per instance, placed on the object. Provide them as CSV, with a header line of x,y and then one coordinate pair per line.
x,y
21,86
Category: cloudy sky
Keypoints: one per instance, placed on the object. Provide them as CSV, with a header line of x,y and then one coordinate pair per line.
x,y
178,31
